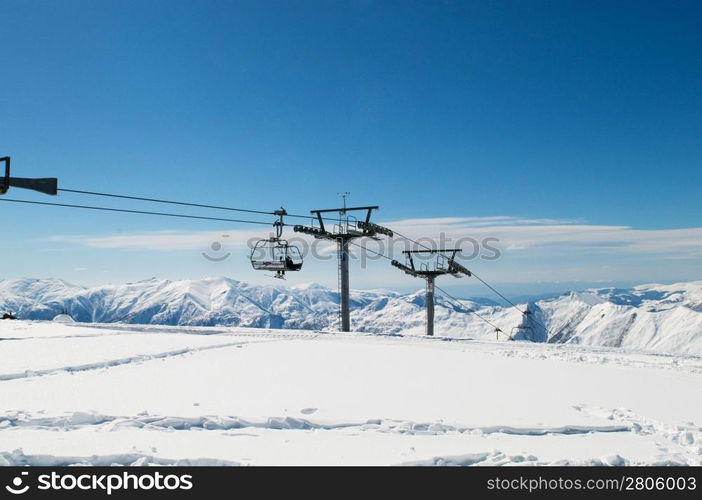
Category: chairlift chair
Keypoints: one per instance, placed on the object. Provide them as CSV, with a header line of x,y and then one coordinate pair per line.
x,y
276,254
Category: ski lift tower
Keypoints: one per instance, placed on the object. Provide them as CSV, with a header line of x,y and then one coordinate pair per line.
x,y
46,186
444,263
348,228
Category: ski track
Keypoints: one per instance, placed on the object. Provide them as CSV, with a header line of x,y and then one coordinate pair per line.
x,y
73,421
17,458
498,458
118,362
688,436
18,421
594,355
148,357
122,329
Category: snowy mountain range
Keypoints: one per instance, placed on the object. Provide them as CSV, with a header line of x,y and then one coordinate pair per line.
x,y
662,318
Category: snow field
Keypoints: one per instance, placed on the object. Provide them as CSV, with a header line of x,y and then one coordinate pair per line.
x,y
106,394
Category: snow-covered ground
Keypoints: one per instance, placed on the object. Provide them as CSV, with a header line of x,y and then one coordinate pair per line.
x,y
129,394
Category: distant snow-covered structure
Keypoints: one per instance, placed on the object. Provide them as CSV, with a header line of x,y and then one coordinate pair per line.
x,y
64,317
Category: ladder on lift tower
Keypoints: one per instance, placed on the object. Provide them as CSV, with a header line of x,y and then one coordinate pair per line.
x,y
338,277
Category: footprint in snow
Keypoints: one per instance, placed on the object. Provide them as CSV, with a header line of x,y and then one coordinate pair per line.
x,y
308,411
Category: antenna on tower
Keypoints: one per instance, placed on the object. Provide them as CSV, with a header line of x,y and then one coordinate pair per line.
x,y
344,195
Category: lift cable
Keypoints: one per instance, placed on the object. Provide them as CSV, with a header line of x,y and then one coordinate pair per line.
x,y
142,212
457,303
453,300
170,202
183,203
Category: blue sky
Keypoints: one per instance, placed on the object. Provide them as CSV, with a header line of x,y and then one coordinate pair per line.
x,y
576,124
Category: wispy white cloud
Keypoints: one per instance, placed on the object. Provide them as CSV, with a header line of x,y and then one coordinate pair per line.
x,y
495,220
163,240
516,234
513,234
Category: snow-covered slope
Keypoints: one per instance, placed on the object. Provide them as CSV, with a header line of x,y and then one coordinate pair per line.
x,y
96,394
664,318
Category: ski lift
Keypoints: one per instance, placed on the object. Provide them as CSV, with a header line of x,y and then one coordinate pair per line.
x,y
276,254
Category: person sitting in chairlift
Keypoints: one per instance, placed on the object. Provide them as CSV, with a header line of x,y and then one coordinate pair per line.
x,y
289,264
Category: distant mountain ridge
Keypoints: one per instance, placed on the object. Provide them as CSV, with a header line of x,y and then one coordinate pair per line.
x,y
664,318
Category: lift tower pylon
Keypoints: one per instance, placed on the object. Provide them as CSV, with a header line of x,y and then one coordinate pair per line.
x,y
445,263
348,228
46,186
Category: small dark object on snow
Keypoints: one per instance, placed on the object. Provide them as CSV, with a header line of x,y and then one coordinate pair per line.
x,y
8,316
